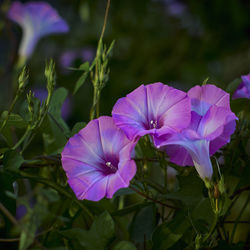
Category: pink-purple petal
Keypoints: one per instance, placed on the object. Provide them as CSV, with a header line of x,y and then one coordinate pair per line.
x,y
97,160
179,155
152,109
224,138
205,95
213,122
197,149
243,90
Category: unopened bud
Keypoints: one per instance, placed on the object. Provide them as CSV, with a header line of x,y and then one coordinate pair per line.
x,y
216,192
22,79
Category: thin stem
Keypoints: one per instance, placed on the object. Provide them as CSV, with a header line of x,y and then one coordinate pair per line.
x,y
58,125
238,218
10,240
233,221
8,214
212,228
105,19
22,138
239,191
9,112
152,199
18,239
59,189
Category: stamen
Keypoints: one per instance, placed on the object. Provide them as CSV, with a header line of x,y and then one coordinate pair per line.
x,y
153,123
110,165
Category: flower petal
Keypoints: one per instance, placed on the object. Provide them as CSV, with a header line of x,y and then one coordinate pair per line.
x,y
113,138
97,160
197,149
224,138
91,186
206,95
179,155
213,122
130,113
155,108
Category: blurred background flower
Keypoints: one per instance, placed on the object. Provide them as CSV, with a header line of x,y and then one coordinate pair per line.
x,y
37,19
243,90
42,93
69,57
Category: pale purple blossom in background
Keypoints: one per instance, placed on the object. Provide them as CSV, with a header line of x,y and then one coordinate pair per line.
x,y
152,109
21,210
68,58
42,93
211,126
243,90
37,20
97,160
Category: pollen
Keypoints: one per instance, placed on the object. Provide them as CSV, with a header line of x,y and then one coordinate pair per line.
x,y
111,166
153,123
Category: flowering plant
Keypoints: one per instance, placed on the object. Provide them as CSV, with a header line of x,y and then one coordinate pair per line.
x,y
133,166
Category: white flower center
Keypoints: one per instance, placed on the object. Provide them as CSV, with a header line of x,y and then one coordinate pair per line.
x,y
110,165
153,123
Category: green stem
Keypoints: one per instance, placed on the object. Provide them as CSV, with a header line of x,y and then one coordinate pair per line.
x,y
238,219
9,112
212,228
105,19
57,188
26,134
8,214
152,199
154,185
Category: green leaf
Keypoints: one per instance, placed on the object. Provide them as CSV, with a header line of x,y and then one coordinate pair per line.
x,y
131,208
143,224
110,48
75,234
82,67
124,191
98,237
35,216
170,233
124,245
54,130
12,160
103,229
203,211
14,120
190,190
55,108
3,143
6,186
80,81
232,86
77,127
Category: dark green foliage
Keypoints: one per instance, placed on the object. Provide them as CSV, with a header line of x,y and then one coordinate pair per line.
x,y
98,237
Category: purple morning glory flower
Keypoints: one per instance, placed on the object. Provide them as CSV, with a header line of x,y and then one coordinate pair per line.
x,y
212,124
42,94
243,90
152,109
97,160
37,19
